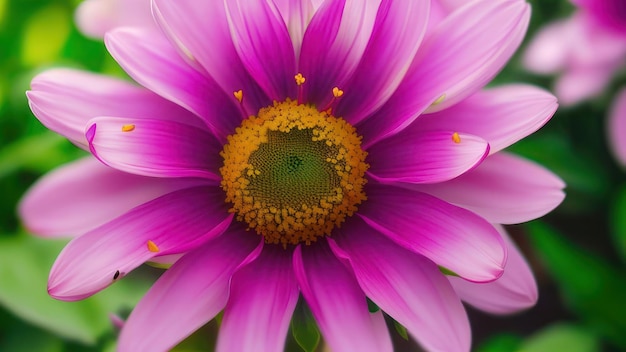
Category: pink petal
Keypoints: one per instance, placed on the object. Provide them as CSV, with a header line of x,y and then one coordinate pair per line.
x,y
504,189
617,126
462,55
333,45
450,236
502,115
65,99
96,17
407,286
175,223
264,46
263,296
425,157
154,148
85,194
297,15
201,32
548,51
581,84
515,290
155,64
189,294
398,32
337,303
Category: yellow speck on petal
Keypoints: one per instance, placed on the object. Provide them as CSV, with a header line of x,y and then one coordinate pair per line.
x,y
337,92
152,247
439,100
299,79
238,95
456,138
128,128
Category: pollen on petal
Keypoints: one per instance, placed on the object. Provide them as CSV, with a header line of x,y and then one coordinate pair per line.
x,y
128,128
238,95
337,92
300,79
152,247
456,138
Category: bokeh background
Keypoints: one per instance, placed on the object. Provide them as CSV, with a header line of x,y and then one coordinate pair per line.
x,y
578,252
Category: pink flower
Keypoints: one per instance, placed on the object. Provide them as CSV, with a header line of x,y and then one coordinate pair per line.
x,y
352,136
96,17
586,49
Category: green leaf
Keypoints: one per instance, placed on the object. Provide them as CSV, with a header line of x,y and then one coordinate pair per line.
x,y
22,338
304,328
24,265
499,343
40,152
447,272
401,330
561,337
371,306
45,34
618,221
590,286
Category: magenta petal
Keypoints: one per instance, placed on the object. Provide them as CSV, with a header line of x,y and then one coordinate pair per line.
x,y
333,45
462,55
407,286
154,148
200,31
502,115
263,296
297,15
450,236
175,223
398,32
337,302
617,126
262,41
154,63
85,194
65,99
189,294
504,189
425,157
515,290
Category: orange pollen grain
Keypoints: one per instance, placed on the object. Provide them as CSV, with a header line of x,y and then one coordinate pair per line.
x,y
152,247
293,173
128,128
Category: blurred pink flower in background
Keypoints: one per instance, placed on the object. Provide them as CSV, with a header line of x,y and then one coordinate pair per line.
x,y
585,50
96,17
225,139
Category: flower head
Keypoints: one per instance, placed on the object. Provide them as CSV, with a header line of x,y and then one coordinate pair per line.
x,y
337,150
585,49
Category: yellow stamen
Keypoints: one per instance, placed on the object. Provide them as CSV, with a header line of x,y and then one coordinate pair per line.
x,y
152,247
128,128
439,100
456,138
293,173
299,79
238,95
337,92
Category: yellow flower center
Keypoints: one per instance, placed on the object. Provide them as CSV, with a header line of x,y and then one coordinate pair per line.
x,y
293,173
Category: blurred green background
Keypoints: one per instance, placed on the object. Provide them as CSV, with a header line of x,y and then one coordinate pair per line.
x,y
578,252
